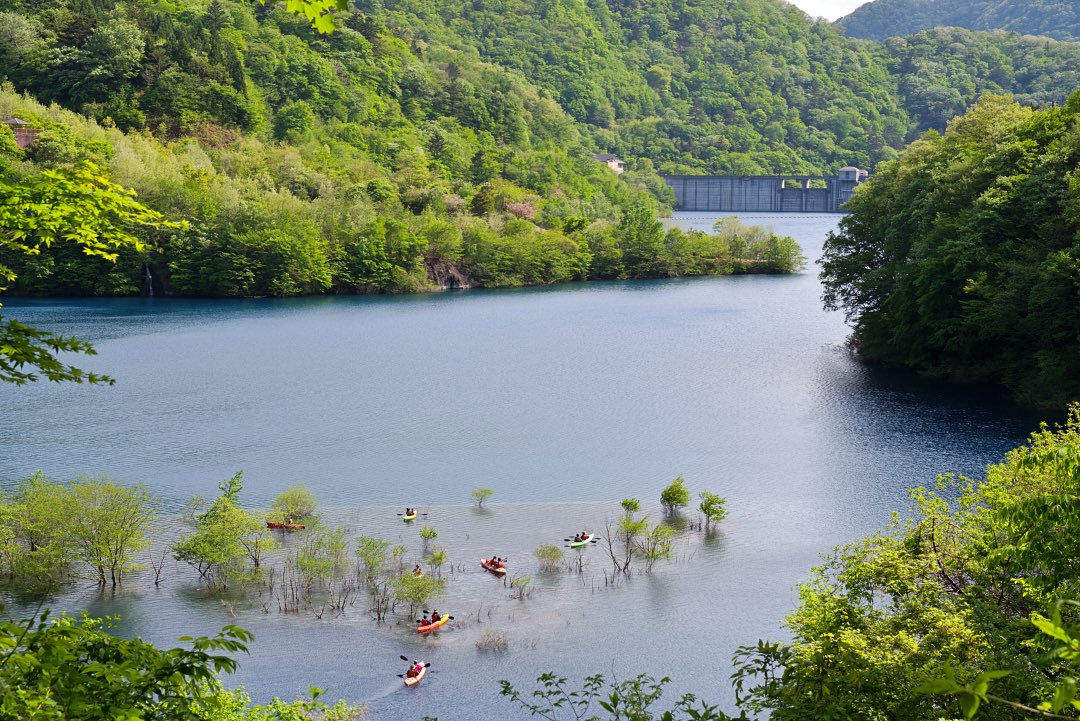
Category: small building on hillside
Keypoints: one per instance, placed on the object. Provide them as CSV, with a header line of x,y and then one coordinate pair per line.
x,y
24,134
611,161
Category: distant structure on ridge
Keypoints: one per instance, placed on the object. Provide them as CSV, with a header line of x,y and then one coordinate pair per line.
x,y
24,134
611,161
765,193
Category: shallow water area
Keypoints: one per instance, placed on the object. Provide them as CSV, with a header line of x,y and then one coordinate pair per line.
x,y
563,400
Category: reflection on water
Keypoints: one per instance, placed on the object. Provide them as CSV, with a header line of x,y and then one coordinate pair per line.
x,y
563,400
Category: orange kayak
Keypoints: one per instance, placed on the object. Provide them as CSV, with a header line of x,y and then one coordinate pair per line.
x,y
432,626
494,569
413,680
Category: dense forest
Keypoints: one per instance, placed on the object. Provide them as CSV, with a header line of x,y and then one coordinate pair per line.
x,y
306,163
881,19
942,70
962,258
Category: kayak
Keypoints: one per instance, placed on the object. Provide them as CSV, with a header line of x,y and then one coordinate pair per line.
x,y
494,569
409,518
584,542
285,526
413,680
432,626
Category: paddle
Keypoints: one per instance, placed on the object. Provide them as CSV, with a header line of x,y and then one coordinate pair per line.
x,y
415,514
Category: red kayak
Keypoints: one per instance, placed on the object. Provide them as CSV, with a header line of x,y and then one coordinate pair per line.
x,y
285,526
497,570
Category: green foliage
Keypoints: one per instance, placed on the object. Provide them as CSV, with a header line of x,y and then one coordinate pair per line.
x,y
294,504
885,18
428,533
479,495
943,71
549,557
655,545
675,496
47,527
712,507
224,536
417,591
74,670
78,206
294,120
933,616
960,259
630,506
633,698
109,525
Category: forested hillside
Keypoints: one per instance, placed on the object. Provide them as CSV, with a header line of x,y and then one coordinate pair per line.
x,y
715,86
881,19
962,258
942,71
349,162
421,146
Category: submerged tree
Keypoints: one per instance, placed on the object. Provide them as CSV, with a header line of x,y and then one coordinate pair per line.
x,y
110,526
675,496
225,534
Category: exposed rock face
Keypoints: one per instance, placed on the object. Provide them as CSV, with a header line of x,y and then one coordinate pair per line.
x,y
448,277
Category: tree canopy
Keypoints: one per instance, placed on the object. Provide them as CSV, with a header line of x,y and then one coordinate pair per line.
x,y
961,258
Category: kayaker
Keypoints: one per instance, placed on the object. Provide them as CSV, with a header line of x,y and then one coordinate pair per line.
x,y
415,669
417,571
424,622
435,616
499,563
577,538
494,562
584,535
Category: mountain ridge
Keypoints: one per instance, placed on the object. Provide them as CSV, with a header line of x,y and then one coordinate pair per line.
x,y
881,19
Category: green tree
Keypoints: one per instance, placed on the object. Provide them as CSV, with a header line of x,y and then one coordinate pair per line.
x,y
294,504
549,557
111,527
68,669
36,517
79,206
712,507
675,496
641,240
479,495
224,536
417,591
294,120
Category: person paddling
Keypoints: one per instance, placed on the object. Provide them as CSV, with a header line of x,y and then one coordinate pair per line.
x,y
435,616
417,571
415,669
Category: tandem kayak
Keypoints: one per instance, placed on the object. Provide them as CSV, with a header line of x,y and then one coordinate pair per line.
x,y
432,626
413,680
583,542
494,569
285,526
409,518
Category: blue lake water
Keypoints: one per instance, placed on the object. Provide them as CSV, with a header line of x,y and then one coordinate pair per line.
x,y
563,400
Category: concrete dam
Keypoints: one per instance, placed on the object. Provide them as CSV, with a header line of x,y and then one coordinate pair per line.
x,y
765,193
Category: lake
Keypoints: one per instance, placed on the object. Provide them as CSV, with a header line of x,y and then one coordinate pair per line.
x,y
563,400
